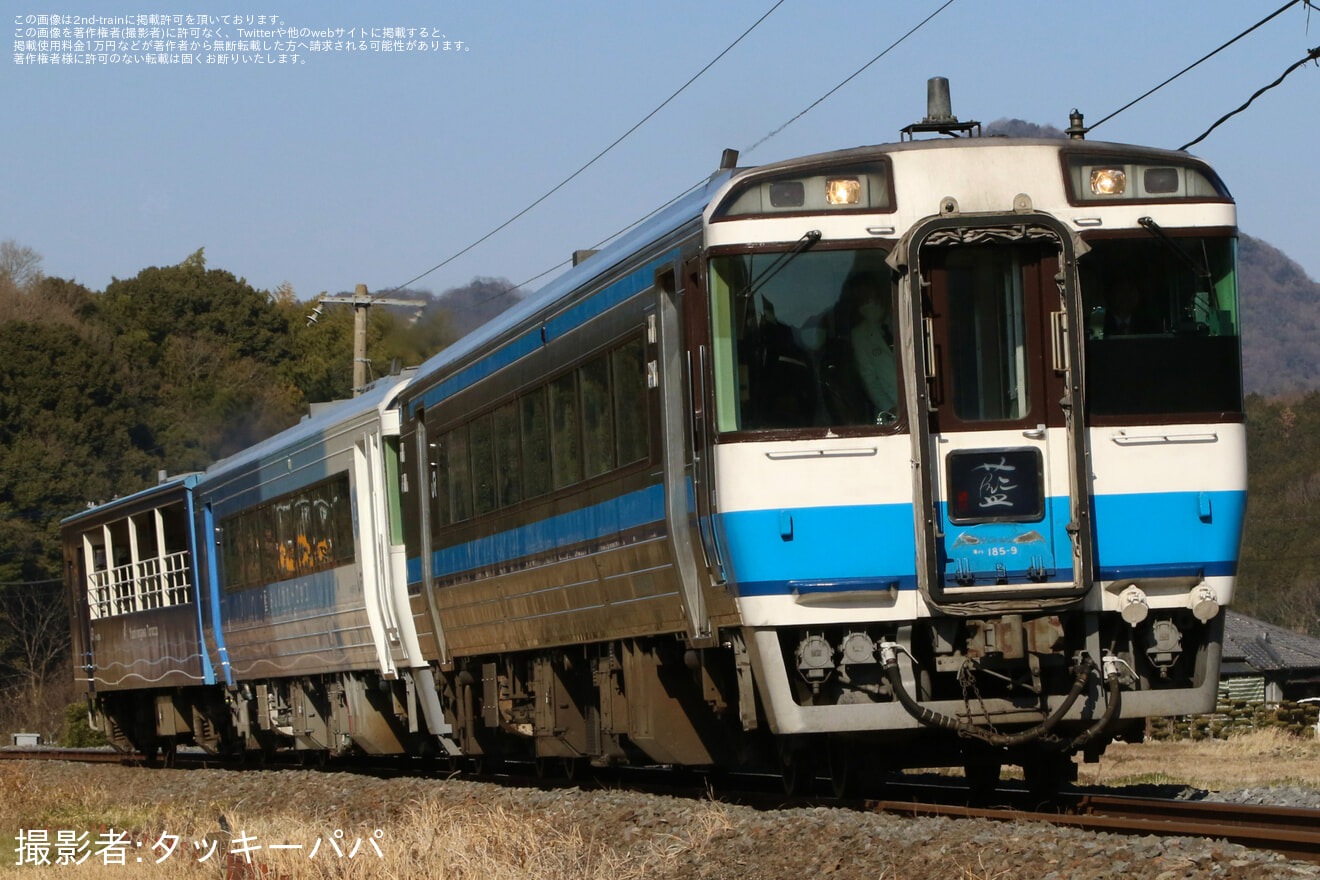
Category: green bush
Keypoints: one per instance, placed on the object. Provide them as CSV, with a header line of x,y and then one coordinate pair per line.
x,y
78,733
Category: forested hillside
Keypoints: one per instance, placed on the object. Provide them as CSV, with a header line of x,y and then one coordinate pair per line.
x,y
1280,321
166,371
1280,569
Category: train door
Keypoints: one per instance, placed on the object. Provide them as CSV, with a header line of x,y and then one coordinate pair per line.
x,y
696,350
1006,494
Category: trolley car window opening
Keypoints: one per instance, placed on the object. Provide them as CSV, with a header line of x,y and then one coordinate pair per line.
x,y
1161,338
814,346
987,335
138,563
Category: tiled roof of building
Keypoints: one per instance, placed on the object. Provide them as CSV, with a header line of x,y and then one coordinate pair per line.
x,y
1266,647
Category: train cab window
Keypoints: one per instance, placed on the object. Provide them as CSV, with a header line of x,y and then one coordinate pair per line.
x,y
508,472
535,443
565,439
1161,326
460,481
483,465
597,418
805,339
987,334
630,402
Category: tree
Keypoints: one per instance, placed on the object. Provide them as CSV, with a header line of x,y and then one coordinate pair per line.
x,y
19,265
69,433
205,349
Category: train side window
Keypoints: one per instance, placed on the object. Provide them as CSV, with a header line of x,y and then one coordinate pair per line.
x,y
460,482
295,535
335,514
266,570
395,484
597,418
483,465
631,432
437,466
565,442
508,479
535,443
286,549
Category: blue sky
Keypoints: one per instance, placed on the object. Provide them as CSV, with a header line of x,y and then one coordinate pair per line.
x,y
373,167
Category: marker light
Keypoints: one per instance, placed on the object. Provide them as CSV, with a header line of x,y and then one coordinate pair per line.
x,y
1108,181
843,191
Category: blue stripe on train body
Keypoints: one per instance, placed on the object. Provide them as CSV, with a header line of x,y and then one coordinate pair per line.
x,y
826,549
1166,534
597,522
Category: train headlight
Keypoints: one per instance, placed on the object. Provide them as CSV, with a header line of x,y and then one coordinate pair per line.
x,y
843,191
1108,181
1133,605
1204,603
1112,179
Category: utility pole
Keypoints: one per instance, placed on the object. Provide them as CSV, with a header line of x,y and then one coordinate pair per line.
x,y
361,301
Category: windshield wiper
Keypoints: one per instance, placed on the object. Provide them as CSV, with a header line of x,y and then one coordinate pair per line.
x,y
803,244
1201,268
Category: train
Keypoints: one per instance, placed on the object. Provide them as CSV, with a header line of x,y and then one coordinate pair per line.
x,y
929,453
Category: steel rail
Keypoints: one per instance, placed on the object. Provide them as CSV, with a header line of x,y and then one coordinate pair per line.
x,y
1290,831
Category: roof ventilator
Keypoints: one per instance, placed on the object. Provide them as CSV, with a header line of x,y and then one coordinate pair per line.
x,y
939,114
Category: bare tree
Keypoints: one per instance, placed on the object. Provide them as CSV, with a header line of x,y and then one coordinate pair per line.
x,y
34,637
20,264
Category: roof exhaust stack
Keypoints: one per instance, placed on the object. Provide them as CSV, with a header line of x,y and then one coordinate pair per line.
x,y
939,107
728,163
939,114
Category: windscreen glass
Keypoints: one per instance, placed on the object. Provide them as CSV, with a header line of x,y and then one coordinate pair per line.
x,y
805,339
1161,326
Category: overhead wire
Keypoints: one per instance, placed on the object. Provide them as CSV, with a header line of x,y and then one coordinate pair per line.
x,y
1313,55
595,158
748,150
854,75
613,235
1276,13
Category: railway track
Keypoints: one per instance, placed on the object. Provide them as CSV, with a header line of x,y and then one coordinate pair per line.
x,y
1290,831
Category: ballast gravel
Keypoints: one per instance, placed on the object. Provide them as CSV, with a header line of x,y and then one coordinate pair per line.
x,y
713,840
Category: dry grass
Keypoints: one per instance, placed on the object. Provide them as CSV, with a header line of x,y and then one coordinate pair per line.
x,y
1265,757
426,839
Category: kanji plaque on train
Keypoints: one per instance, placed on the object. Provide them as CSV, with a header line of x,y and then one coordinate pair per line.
x,y
995,485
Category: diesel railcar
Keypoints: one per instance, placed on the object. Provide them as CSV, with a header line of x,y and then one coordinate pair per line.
x,y
929,452
925,453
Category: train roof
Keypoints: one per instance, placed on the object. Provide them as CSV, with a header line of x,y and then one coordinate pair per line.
x,y
377,396
684,210
690,207
173,484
